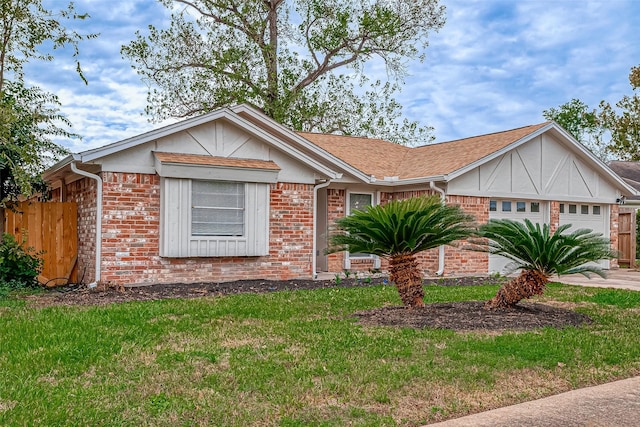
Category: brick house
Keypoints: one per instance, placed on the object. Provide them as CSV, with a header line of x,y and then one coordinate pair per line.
x,y
234,195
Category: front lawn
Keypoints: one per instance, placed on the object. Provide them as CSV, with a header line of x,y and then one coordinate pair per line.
x,y
295,358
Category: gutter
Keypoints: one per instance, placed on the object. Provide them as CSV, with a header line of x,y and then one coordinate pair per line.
x,y
440,271
316,187
98,219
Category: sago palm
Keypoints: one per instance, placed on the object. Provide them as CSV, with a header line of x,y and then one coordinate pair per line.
x,y
540,254
398,231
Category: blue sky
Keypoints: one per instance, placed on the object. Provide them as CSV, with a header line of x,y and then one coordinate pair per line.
x,y
496,65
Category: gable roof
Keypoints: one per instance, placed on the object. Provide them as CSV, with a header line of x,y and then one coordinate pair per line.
x,y
386,159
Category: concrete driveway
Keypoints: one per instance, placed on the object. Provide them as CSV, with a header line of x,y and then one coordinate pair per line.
x,y
619,278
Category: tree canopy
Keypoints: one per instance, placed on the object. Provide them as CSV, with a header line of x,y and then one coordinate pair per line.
x,y
30,117
303,62
623,121
610,130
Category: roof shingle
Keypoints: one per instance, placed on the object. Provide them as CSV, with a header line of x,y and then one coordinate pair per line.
x,y
383,158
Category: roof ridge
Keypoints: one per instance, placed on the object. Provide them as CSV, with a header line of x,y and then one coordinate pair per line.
x,y
487,134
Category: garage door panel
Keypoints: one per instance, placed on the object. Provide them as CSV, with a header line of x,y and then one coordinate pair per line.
x,y
517,210
582,215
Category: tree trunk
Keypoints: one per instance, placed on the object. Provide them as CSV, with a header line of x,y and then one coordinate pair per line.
x,y
527,284
404,273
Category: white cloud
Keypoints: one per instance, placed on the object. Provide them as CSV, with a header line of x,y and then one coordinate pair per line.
x,y
496,64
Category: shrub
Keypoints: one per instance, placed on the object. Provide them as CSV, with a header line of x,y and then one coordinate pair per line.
x,y
19,265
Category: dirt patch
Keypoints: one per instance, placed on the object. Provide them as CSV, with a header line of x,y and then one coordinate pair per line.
x,y
460,316
470,315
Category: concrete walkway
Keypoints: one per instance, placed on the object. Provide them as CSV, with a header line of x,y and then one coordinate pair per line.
x,y
620,278
615,404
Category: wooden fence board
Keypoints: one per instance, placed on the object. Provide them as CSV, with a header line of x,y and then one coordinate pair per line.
x,y
627,237
50,227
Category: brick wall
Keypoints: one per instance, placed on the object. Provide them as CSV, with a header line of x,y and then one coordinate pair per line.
x,y
131,223
457,259
83,192
613,236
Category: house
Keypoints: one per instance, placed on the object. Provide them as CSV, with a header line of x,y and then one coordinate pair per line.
x,y
234,195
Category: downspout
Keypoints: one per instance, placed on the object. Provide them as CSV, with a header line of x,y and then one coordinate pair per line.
x,y
440,271
98,219
315,225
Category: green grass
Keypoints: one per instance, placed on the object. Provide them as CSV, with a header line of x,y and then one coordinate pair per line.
x,y
294,359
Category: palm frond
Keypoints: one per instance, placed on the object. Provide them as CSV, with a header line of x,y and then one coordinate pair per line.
x,y
533,247
401,227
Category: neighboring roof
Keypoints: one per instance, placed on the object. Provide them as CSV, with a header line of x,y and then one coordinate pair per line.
x,y
195,159
382,158
629,172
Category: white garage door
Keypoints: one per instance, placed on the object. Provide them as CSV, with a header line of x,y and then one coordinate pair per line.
x,y
594,217
517,210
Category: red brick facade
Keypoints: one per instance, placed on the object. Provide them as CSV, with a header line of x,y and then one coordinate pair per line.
x,y
131,226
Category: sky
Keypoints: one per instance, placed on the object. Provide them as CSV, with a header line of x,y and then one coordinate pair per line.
x,y
495,65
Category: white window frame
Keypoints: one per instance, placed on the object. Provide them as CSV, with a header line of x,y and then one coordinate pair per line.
x,y
178,241
358,256
242,209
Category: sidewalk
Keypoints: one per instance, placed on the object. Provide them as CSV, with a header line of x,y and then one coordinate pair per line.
x,y
615,404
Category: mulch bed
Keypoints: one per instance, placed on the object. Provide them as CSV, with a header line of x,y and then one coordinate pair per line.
x,y
460,316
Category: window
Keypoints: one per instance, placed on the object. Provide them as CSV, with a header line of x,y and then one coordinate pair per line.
x,y
359,201
217,208
561,207
573,209
521,207
535,207
596,210
584,209
506,206
213,218
493,206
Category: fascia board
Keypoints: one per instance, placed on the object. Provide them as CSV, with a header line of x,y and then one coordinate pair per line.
x,y
60,165
411,181
226,113
96,153
307,145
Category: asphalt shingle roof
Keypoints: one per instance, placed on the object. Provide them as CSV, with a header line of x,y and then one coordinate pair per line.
x,y
383,158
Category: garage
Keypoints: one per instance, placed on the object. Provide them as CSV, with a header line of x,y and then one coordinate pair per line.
x,y
582,215
518,210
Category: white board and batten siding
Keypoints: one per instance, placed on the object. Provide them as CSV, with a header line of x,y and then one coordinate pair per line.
x,y
177,239
541,170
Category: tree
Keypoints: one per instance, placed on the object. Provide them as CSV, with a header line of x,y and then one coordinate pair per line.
x,y
539,254
29,117
398,231
298,60
582,123
623,122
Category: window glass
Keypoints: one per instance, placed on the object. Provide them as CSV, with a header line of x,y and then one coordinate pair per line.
x,y
561,207
535,207
584,209
217,208
506,206
493,205
359,201
521,207
596,210
573,209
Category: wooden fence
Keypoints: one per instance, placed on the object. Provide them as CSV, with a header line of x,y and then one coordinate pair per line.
x,y
627,237
50,227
